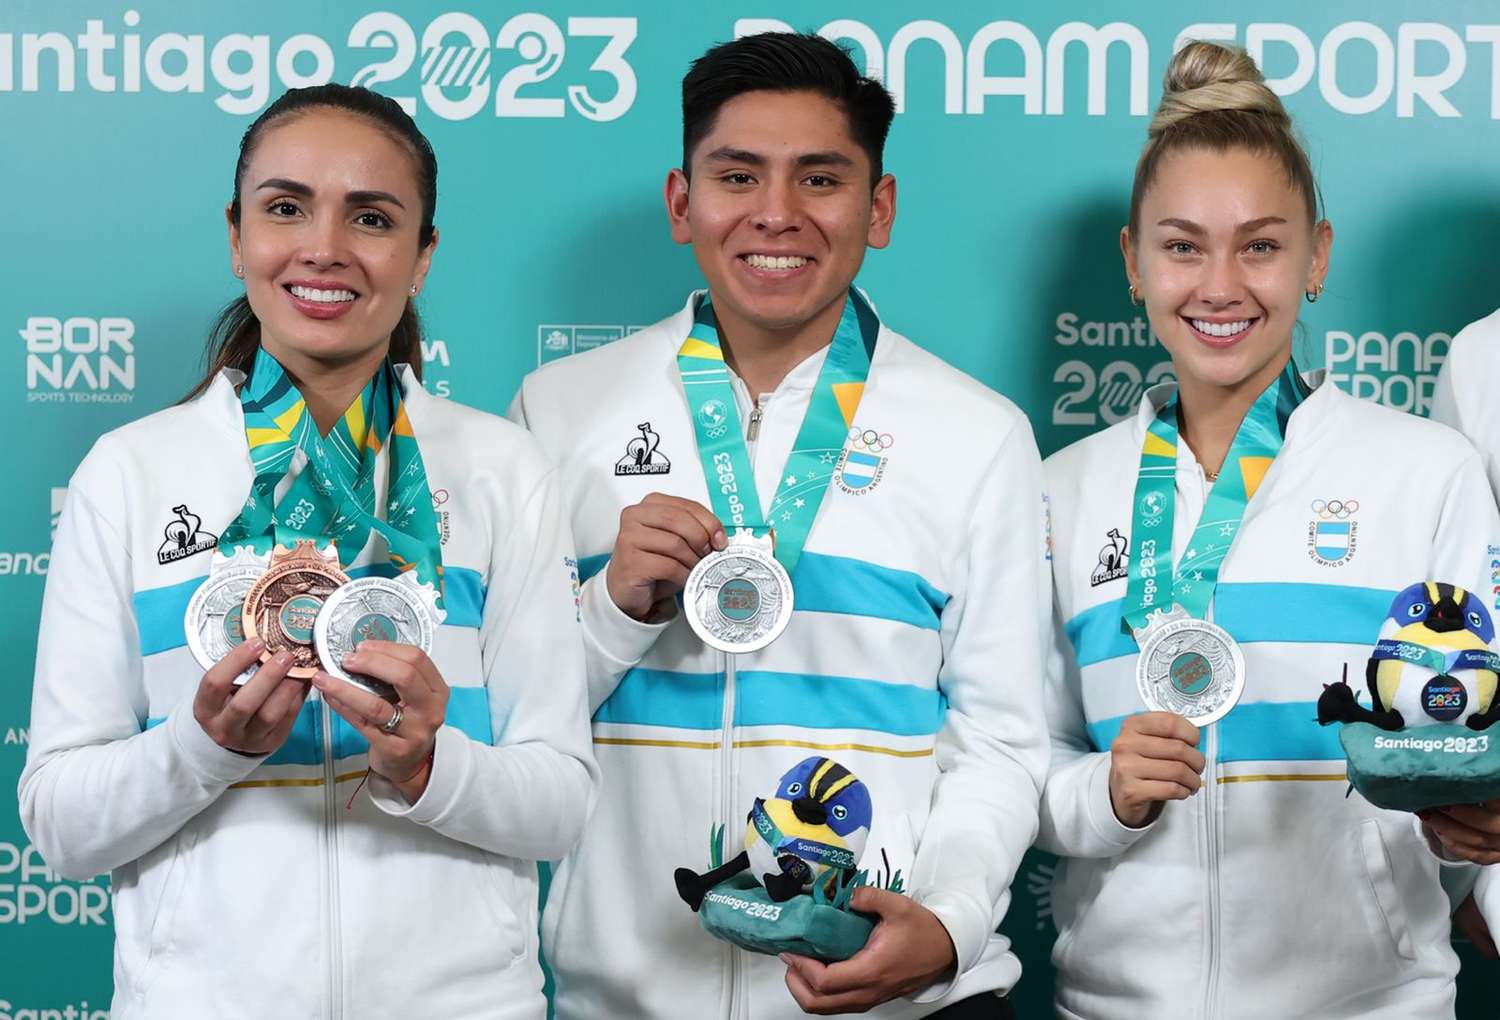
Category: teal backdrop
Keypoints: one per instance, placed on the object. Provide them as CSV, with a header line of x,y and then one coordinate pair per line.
x,y
555,124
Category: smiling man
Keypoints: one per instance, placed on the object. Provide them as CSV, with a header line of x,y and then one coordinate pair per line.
x,y
873,584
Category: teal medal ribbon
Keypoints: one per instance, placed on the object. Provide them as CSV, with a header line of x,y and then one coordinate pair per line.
x,y
805,849
1435,659
333,499
811,464
1153,585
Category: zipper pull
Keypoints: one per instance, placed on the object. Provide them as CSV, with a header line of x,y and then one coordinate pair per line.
x,y
752,430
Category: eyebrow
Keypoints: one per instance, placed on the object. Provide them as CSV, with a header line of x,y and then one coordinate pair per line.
x,y
352,198
1189,227
729,154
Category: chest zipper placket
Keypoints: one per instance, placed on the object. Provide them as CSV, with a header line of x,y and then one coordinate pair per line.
x,y
1210,749
729,812
331,869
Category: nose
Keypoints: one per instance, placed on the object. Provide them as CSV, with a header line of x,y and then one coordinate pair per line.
x,y
324,244
809,811
779,209
1224,282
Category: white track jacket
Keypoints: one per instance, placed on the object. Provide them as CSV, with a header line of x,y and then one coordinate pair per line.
x,y
913,657
1269,893
1465,399
255,887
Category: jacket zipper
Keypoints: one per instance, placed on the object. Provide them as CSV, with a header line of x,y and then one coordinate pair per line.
x,y
727,807
1211,829
331,871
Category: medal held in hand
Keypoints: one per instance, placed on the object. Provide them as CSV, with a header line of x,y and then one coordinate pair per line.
x,y
1187,665
374,609
740,599
214,621
282,607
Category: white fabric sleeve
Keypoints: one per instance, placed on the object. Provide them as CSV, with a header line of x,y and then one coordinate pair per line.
x,y
529,794
1462,398
1077,817
97,792
991,752
613,641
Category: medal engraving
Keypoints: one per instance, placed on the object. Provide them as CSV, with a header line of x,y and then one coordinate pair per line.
x,y
282,607
739,599
374,609
1189,666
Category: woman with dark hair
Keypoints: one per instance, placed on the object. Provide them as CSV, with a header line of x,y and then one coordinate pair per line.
x,y
306,729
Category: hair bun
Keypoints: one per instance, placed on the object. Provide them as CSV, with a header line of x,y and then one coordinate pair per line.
x,y
1206,77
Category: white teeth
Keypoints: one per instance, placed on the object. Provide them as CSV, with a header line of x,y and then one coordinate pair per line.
x,y
1220,329
322,296
776,261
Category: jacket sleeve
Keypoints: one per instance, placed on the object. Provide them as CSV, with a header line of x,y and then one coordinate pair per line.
x,y
528,794
1077,816
99,790
1461,398
613,642
991,752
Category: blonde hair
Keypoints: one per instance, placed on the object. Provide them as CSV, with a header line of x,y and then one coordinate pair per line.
x,y
1215,98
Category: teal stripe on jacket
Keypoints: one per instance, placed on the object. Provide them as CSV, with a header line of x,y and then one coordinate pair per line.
x,y
853,587
1262,731
652,697
159,611
468,710
1252,612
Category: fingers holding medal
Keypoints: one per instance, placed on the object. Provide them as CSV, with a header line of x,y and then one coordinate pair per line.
x,y
662,538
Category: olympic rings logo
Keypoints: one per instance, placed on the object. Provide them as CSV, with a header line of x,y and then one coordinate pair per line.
x,y
869,439
1332,509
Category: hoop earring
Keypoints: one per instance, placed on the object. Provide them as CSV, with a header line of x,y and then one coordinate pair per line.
x,y
414,290
1316,292
1135,297
239,270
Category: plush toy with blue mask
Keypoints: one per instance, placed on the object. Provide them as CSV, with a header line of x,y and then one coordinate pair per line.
x,y
788,889
1432,680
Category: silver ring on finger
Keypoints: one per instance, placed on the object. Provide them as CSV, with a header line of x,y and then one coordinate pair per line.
x,y
395,720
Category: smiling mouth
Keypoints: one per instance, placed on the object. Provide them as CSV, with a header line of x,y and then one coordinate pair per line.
x,y
776,262
1220,332
321,297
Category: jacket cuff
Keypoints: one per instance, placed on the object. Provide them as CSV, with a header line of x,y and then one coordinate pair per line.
x,y
1115,834
450,770
203,755
966,925
620,638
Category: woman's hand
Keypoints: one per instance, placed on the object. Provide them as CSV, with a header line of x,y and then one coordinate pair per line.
x,y
1154,759
401,753
255,718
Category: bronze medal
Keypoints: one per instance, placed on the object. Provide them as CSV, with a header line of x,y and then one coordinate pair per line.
x,y
283,605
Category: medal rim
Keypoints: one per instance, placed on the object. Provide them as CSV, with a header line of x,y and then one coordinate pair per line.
x,y
1212,630
192,617
751,549
304,557
411,593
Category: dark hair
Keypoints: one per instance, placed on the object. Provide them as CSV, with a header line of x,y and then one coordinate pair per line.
x,y
235,336
785,62
1215,98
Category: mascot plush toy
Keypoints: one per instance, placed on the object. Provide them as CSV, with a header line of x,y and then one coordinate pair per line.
x,y
813,829
1432,682
789,888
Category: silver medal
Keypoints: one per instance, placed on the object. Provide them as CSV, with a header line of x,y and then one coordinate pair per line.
x,y
740,599
213,622
1189,666
374,608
